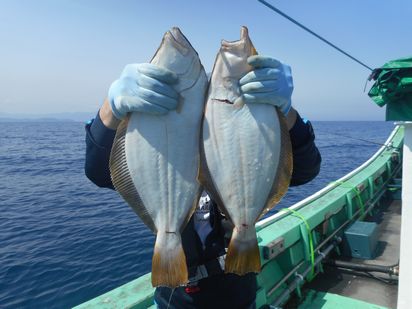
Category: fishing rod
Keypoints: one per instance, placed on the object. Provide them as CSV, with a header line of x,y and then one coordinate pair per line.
x,y
313,33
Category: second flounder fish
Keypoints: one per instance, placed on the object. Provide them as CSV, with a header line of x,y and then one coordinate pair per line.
x,y
246,158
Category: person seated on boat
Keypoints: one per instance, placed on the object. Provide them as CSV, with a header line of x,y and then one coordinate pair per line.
x,y
204,242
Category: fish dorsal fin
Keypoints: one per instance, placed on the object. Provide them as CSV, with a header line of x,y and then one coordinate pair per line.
x,y
285,167
121,178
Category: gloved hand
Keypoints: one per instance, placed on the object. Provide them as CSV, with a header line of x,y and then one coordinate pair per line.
x,y
270,82
144,88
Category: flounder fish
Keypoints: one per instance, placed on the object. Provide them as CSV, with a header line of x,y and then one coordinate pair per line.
x,y
246,157
155,160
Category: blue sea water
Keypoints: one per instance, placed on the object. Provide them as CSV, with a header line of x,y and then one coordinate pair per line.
x,y
64,241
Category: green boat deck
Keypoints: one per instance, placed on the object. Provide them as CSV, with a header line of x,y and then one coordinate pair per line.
x,y
293,244
359,285
322,300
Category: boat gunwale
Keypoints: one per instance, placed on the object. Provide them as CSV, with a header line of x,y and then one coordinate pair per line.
x,y
280,215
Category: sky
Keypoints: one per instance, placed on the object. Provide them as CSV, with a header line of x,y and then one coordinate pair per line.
x,y
61,56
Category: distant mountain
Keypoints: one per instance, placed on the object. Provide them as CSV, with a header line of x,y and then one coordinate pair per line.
x,y
71,116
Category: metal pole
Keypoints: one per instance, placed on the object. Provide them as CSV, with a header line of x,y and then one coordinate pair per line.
x,y
405,265
300,277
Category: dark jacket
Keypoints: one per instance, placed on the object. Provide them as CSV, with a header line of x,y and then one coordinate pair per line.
x,y
220,290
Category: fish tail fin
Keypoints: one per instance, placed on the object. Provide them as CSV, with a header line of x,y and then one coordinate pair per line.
x,y
169,261
243,252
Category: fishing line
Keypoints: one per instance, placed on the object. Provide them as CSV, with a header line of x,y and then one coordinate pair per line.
x,y
170,298
309,231
365,140
313,33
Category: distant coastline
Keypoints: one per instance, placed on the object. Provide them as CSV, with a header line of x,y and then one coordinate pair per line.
x,y
57,117
36,120
86,116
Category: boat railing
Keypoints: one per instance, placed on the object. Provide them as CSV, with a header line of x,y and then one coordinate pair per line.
x,y
387,145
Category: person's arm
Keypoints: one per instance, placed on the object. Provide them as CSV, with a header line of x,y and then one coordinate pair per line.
x,y
107,117
306,156
100,134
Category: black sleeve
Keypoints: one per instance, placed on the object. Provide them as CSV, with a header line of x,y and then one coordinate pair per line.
x,y
306,156
99,140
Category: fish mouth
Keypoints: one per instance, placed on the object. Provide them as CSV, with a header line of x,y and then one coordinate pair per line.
x,y
243,45
244,37
179,40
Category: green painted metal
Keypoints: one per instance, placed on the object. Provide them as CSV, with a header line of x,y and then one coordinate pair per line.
x,y
322,300
284,239
393,88
135,294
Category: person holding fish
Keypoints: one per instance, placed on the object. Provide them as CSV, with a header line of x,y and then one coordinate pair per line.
x,y
147,88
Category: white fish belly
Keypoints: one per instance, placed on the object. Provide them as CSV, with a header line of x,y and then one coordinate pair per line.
x,y
163,157
242,149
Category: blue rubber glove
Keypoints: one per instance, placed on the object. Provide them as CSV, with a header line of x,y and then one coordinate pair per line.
x,y
144,88
270,82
